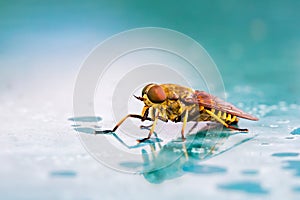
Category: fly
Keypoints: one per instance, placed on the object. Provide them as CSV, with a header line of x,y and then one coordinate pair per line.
x,y
182,104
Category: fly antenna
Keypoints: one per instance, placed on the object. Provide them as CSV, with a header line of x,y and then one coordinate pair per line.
x,y
139,98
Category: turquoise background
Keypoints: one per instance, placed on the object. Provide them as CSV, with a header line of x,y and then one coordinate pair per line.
x,y
255,44
252,42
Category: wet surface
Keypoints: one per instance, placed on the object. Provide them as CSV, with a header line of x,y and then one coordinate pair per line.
x,y
294,166
245,186
43,155
296,189
164,160
296,131
85,119
250,172
63,173
285,154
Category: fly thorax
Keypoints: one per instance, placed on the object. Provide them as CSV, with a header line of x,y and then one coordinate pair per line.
x,y
173,109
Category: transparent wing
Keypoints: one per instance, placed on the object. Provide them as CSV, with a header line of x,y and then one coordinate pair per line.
x,y
209,101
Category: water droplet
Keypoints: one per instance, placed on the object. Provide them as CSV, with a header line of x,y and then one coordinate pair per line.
x,y
296,131
283,121
85,130
296,189
245,186
285,154
86,119
289,138
63,173
204,169
293,165
250,172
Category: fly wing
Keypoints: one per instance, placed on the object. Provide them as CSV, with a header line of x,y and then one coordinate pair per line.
x,y
209,101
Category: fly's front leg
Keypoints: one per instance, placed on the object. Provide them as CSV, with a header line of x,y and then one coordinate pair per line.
x,y
143,118
151,130
150,111
149,126
145,112
186,114
152,116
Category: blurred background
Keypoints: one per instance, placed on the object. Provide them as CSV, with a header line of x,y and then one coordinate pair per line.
x,y
255,44
251,42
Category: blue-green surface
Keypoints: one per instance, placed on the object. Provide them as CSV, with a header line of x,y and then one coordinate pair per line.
x,y
256,46
248,187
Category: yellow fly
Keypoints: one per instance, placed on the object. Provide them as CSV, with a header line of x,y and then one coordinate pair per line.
x,y
181,104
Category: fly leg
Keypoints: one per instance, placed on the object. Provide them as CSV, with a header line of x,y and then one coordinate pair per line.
x,y
184,124
151,111
152,115
224,123
121,121
151,130
149,126
143,117
146,127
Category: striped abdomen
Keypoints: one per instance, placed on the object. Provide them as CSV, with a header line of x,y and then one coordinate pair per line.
x,y
202,115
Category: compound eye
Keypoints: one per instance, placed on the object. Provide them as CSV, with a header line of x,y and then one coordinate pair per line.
x,y
156,94
145,88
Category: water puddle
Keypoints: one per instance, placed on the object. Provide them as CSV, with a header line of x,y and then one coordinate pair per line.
x,y
156,159
63,173
85,124
285,154
85,119
296,131
204,169
249,172
293,165
87,130
249,187
296,189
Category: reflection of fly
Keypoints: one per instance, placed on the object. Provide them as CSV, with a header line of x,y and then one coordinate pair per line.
x,y
181,104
